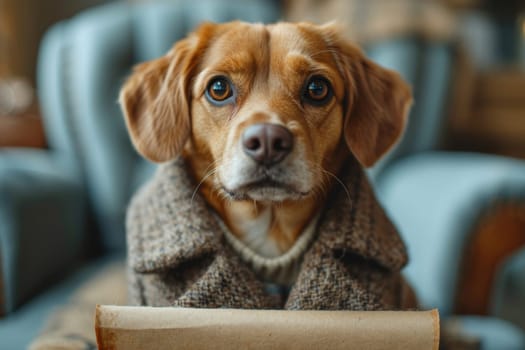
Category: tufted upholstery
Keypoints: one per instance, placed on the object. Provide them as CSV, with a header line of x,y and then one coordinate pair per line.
x,y
100,57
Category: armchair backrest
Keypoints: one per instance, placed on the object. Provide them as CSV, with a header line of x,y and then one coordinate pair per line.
x,y
82,64
84,61
427,66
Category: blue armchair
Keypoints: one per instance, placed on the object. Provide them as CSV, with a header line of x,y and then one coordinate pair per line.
x,y
436,197
62,206
56,204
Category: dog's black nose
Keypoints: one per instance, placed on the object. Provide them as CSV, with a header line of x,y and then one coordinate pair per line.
x,y
266,143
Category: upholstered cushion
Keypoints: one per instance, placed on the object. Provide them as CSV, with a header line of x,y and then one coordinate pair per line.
x,y
493,333
508,294
435,198
71,326
41,204
19,328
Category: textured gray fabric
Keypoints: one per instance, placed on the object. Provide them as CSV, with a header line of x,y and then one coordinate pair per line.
x,y
178,256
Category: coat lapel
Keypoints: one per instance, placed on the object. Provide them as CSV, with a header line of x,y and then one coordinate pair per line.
x,y
357,255
357,251
355,223
227,283
173,234
167,224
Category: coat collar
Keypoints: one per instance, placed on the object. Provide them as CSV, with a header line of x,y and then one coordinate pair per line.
x,y
169,224
355,223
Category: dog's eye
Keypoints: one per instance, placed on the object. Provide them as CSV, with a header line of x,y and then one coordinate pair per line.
x,y
219,89
317,91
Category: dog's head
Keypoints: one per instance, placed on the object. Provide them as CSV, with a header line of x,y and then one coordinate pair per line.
x,y
264,111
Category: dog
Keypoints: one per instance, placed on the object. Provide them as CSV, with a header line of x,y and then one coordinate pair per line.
x,y
266,119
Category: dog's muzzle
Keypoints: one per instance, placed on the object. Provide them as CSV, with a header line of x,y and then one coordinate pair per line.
x,y
268,172
267,144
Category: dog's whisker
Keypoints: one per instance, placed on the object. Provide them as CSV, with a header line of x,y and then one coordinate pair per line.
x,y
210,173
320,52
319,191
339,181
255,208
212,164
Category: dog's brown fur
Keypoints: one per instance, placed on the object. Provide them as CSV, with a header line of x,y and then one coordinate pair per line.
x,y
168,114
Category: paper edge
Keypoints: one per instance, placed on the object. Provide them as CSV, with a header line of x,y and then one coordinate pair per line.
x,y
436,328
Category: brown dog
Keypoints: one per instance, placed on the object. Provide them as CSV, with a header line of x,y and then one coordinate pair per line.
x,y
266,116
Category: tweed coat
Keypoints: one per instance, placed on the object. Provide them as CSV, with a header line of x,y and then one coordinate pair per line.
x,y
178,255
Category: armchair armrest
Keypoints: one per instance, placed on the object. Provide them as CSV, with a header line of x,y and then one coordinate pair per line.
x,y
435,198
41,223
509,290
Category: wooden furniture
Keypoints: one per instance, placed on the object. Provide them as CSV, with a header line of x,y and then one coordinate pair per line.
x,y
488,113
499,233
22,130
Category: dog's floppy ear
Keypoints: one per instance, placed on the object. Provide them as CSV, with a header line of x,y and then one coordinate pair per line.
x,y
156,103
376,105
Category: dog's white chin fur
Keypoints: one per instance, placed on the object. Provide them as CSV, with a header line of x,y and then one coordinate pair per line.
x,y
266,194
273,194
290,179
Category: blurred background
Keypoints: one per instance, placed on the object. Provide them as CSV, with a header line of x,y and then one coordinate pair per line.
x,y
455,185
484,111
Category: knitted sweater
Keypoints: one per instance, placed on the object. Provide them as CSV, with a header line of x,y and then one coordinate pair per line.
x,y
178,254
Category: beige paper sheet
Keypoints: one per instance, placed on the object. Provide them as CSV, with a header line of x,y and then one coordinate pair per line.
x,y
126,327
